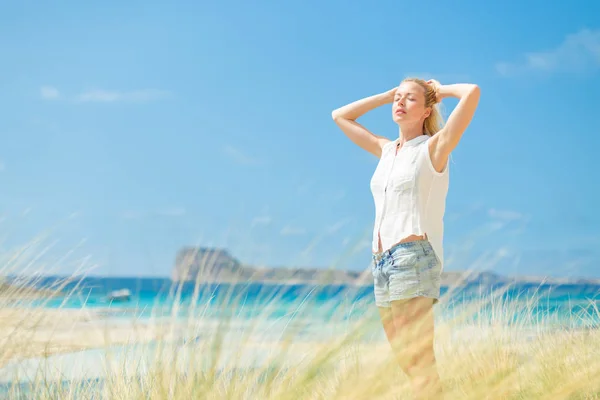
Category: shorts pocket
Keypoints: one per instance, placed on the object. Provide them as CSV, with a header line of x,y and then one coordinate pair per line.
x,y
405,283
404,261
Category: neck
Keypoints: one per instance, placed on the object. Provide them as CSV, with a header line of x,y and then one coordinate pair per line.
x,y
409,132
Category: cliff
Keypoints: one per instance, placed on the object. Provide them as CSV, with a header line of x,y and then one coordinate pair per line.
x,y
218,265
207,263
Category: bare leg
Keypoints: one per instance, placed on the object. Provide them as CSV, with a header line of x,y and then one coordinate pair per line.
x,y
388,323
413,344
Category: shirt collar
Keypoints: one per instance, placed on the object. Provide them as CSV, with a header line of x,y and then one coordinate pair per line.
x,y
414,141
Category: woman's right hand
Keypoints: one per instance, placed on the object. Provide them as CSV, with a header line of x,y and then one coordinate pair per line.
x,y
345,117
390,94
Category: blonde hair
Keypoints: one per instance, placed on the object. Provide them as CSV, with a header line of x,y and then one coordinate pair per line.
x,y
434,122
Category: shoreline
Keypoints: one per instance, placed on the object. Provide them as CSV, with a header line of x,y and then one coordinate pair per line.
x,y
41,332
90,354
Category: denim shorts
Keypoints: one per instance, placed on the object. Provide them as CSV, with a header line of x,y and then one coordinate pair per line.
x,y
406,270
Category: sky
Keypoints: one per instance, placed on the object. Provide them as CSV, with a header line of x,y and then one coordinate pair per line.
x,y
129,130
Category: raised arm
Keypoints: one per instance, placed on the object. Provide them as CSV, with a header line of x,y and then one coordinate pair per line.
x,y
345,117
446,140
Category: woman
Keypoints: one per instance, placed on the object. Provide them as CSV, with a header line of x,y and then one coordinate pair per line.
x,y
409,187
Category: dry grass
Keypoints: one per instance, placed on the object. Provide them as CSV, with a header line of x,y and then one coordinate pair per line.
x,y
293,358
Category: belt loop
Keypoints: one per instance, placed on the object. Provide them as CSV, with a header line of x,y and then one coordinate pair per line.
x,y
423,243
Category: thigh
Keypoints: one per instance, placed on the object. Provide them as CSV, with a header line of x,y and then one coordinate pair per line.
x,y
387,320
414,322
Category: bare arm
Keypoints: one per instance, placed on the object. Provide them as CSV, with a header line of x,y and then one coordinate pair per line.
x,y
449,136
345,117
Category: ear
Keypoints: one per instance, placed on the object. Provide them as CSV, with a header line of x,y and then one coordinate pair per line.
x,y
427,112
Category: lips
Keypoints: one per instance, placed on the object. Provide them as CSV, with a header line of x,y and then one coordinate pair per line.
x,y
400,111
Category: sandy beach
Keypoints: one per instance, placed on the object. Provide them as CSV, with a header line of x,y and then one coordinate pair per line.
x,y
31,333
76,345
35,332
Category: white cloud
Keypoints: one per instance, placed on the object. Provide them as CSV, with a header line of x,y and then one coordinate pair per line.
x,y
172,212
333,228
131,214
578,52
333,195
304,187
239,156
292,231
515,220
111,96
49,93
441,77
505,215
166,212
496,225
261,220
75,214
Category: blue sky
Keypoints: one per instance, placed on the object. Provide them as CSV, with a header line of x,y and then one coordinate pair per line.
x,y
130,130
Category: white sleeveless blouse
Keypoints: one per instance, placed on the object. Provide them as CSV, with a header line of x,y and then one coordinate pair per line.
x,y
409,195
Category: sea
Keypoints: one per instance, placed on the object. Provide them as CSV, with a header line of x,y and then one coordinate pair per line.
x,y
566,305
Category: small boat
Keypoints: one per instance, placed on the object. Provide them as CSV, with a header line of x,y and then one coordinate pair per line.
x,y
119,295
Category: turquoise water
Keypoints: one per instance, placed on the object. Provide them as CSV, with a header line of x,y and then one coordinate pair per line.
x,y
571,305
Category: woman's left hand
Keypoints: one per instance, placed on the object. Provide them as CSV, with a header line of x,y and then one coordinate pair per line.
x,y
436,86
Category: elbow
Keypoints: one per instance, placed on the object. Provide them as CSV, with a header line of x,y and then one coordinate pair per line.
x,y
337,115
472,93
